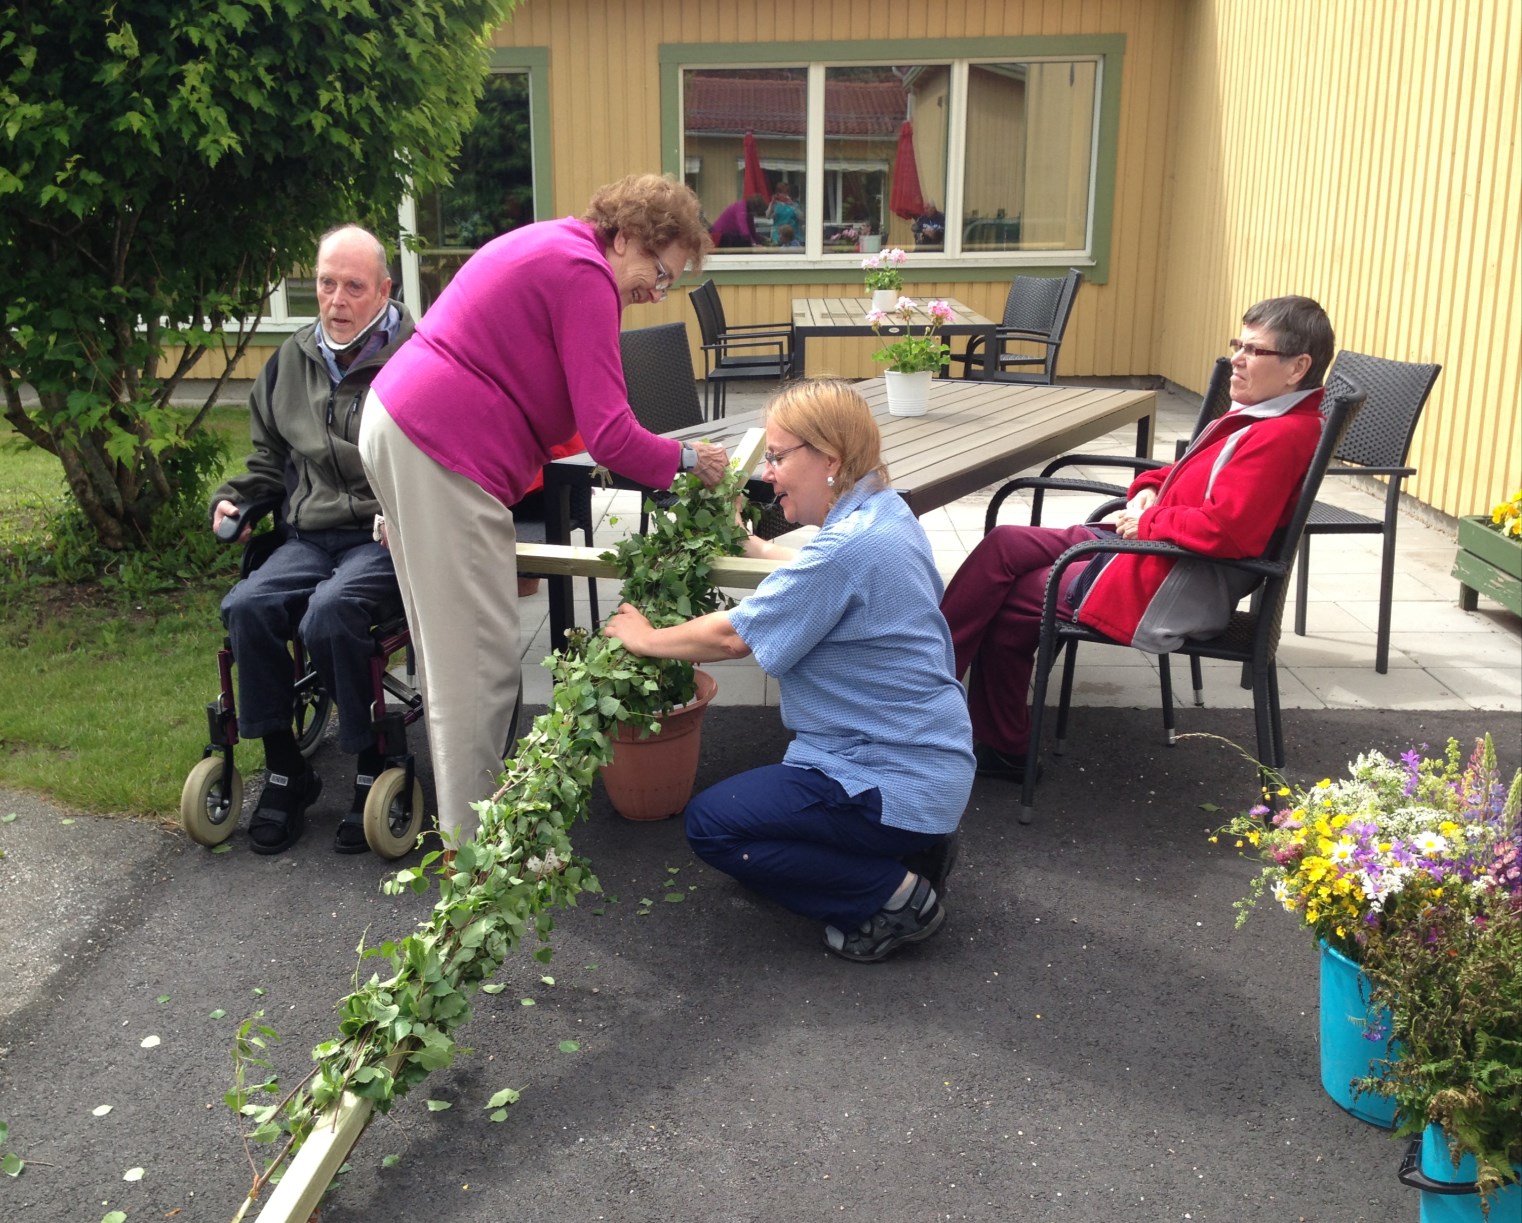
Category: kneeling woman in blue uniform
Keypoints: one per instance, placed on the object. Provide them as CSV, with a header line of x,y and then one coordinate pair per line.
x,y
855,828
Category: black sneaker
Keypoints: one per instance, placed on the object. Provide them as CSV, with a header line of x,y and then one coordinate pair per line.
x,y
280,817
889,929
991,762
936,862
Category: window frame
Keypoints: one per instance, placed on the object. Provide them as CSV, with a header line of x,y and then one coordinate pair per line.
x,y
1107,50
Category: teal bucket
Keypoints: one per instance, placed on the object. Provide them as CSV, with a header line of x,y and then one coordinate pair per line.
x,y
1448,1193
1353,1039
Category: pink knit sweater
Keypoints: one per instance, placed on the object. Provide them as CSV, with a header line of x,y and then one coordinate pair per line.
x,y
518,353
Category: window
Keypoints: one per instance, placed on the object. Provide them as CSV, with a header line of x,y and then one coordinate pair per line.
x,y
824,158
492,191
501,181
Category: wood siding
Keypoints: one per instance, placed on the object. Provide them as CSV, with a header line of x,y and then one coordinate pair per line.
x,y
1366,155
1363,153
605,114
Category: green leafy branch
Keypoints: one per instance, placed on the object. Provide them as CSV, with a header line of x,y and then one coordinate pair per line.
x,y
397,1029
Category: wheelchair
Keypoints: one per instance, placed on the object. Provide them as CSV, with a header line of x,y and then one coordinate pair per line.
x,y
212,798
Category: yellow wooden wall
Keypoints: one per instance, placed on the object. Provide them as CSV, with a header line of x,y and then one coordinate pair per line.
x,y
605,113
1364,154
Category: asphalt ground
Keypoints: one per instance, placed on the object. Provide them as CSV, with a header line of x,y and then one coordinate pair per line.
x,y
1088,1038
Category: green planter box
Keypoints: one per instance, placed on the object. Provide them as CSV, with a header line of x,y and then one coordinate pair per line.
x,y
1488,564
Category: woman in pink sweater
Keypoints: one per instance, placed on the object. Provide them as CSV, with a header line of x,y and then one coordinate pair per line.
x,y
518,353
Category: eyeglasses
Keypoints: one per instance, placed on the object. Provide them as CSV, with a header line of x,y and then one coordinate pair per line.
x,y
1256,350
774,458
663,278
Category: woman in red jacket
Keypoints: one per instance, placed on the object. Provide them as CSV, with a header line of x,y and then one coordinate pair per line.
x,y
1233,488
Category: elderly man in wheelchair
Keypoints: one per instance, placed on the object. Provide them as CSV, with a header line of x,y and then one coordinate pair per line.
x,y
324,578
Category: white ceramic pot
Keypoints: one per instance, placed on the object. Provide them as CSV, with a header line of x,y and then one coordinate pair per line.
x,y
884,299
908,394
871,243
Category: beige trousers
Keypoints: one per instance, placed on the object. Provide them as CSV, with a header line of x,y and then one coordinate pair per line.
x,y
455,551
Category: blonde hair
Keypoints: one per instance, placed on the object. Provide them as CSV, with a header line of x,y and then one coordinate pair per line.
x,y
829,416
654,210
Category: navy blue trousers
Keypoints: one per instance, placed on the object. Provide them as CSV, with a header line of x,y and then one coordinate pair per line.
x,y
332,585
796,837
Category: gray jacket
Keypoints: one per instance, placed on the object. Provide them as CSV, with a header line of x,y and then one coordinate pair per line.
x,y
305,431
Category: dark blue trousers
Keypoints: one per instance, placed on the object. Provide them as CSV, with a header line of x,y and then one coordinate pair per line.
x,y
332,585
795,836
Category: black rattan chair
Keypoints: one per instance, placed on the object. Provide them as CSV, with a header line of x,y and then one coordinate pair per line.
x,y
664,396
1215,402
745,352
1250,638
1377,444
1036,311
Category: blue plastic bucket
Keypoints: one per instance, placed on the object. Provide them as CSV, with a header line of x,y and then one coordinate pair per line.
x,y
1354,1039
1448,1193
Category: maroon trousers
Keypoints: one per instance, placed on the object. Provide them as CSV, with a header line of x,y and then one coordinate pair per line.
x,y
993,606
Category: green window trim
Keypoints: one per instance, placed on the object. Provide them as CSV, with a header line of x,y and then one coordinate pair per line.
x,y
536,62
1109,49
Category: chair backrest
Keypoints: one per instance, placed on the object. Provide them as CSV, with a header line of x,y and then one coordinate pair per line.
x,y
710,310
1031,304
658,374
1339,407
1042,306
1397,391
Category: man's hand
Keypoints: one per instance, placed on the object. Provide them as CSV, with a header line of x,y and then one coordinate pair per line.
x,y
226,510
629,625
713,461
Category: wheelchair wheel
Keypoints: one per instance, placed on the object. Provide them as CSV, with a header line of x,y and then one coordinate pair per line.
x,y
393,818
312,707
206,814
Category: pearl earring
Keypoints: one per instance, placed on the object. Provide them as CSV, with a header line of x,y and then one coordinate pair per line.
x,y
830,480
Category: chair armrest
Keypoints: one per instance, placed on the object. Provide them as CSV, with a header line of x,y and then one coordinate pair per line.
x,y
722,346
769,329
1135,462
1255,565
1371,471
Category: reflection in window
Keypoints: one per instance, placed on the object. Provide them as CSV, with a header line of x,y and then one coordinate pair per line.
x,y
1022,166
744,134
1028,143
493,187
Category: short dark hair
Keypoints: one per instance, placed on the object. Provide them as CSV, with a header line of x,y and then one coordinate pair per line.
x,y
1298,325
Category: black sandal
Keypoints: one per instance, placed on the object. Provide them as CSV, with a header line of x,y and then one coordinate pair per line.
x,y
280,818
889,929
349,836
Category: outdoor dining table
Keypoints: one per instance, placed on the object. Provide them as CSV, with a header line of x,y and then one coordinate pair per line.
x,y
847,316
974,434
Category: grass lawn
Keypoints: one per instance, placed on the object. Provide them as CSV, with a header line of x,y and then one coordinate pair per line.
x,y
105,699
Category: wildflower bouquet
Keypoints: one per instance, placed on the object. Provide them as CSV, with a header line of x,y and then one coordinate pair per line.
x,y
914,353
1449,972
1348,857
1506,516
883,269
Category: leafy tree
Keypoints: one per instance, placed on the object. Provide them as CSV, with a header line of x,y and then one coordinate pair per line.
x,y
162,164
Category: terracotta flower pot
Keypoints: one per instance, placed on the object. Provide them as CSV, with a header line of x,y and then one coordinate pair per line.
x,y
651,778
